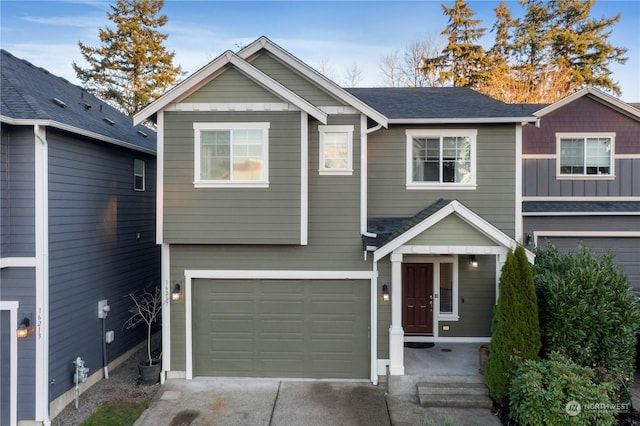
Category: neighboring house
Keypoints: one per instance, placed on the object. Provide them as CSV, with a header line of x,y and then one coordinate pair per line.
x,y
77,226
309,231
581,177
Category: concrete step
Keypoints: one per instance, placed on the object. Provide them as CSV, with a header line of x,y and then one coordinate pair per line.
x,y
455,393
453,389
406,385
456,401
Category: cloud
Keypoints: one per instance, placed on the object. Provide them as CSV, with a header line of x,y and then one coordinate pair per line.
x,y
67,21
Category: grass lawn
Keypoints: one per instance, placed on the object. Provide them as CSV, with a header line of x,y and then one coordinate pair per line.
x,y
117,413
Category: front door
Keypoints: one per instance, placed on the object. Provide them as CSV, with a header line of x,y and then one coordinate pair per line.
x,y
417,298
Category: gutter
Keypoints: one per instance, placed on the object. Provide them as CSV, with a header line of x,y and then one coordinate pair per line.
x,y
470,120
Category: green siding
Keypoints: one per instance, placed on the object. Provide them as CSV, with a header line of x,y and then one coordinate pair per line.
x,y
232,86
452,231
493,199
384,310
289,78
232,215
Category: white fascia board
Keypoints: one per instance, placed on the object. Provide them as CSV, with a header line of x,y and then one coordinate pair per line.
x,y
76,130
598,94
313,75
465,214
277,274
471,120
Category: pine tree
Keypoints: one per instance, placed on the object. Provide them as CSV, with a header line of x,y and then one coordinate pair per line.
x,y
462,61
131,68
515,331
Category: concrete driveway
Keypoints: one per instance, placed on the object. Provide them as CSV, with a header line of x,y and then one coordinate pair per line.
x,y
222,401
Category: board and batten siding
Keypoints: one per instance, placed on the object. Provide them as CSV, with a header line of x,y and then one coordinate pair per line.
x,y
540,180
493,199
292,80
17,192
101,246
232,215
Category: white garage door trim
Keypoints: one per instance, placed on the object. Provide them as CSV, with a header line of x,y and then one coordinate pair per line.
x,y
585,234
191,274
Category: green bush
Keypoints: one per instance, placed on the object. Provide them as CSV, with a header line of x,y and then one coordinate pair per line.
x,y
515,331
545,392
587,310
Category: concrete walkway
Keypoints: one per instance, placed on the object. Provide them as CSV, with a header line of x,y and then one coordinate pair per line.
x,y
222,401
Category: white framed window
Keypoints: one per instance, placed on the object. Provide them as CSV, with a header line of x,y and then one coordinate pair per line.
x,y
139,181
585,155
441,158
336,150
231,155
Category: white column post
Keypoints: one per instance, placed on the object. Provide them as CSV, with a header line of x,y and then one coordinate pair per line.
x,y
396,333
501,259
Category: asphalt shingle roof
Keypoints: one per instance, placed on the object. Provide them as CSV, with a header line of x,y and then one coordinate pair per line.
x,y
27,92
581,206
436,102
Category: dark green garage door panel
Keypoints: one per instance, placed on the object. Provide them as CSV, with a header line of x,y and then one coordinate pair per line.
x,y
281,328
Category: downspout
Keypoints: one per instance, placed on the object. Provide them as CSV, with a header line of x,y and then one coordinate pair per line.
x,y
42,274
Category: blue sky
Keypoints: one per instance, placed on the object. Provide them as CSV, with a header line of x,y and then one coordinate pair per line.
x,y
337,33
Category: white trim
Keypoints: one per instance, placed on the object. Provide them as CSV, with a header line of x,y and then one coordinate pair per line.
x,y
364,173
165,279
191,274
322,130
211,70
17,262
373,325
584,234
42,274
470,120
599,95
636,213
339,110
160,180
584,136
313,75
472,134
76,130
304,178
232,106
573,198
477,222
538,156
12,307
198,128
519,184
626,156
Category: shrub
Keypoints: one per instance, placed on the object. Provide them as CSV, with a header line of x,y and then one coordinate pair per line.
x,y
515,330
541,393
587,310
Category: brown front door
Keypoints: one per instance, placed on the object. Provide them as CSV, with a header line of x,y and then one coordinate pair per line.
x,y
417,298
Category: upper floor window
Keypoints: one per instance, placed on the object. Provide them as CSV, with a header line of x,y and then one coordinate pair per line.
x,y
441,158
585,155
138,175
336,150
231,155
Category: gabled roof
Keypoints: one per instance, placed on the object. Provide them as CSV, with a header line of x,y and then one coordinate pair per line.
x,y
214,68
30,95
407,229
597,95
440,105
313,76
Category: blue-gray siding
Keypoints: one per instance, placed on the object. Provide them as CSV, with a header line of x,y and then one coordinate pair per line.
x,y
101,246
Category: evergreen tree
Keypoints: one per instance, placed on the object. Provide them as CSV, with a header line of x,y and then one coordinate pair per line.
x,y
131,68
515,331
462,61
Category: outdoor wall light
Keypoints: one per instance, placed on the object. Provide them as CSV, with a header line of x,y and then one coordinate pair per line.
x,y
473,261
385,292
175,295
23,329
528,240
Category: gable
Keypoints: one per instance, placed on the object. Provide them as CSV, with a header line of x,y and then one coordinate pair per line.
x,y
289,78
451,231
231,86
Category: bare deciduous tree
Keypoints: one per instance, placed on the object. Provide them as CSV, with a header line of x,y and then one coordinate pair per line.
x,y
404,70
352,75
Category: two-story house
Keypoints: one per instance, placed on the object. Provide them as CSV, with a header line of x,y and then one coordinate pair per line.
x,y
581,177
309,231
77,227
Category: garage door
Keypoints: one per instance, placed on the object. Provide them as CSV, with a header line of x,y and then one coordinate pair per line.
x,y
626,250
281,328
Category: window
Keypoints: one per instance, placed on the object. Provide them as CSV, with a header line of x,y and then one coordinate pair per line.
x,y
441,159
231,155
585,156
446,288
138,175
336,150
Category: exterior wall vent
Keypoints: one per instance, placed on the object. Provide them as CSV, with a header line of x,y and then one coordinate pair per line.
x,y
58,102
141,133
110,121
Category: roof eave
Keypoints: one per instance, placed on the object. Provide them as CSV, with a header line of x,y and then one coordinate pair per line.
x,y
452,120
